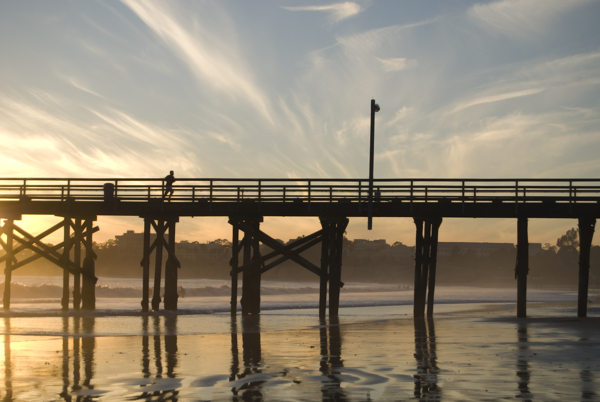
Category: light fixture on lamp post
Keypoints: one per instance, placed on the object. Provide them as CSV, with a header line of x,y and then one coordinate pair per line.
x,y
374,109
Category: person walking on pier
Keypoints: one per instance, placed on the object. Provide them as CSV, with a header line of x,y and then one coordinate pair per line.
x,y
169,180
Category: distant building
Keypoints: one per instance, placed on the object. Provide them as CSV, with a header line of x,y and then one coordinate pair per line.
x,y
131,244
482,249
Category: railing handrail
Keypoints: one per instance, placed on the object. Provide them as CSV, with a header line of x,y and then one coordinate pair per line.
x,y
290,189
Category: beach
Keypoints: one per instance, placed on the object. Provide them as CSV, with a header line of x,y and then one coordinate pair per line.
x,y
469,351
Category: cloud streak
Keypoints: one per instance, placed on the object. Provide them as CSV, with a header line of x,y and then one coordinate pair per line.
x,y
213,61
337,12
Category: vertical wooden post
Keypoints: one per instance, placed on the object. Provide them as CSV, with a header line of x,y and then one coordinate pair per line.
x,y
425,260
77,263
417,310
435,223
160,224
522,266
146,266
246,286
252,275
325,247
171,271
235,250
89,267
8,229
65,260
335,268
586,233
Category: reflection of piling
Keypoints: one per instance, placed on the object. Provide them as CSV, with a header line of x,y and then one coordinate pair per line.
x,y
331,360
145,348
157,348
88,344
171,344
251,355
235,359
8,396
523,372
425,355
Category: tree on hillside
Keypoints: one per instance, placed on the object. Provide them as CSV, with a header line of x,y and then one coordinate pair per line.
x,y
569,239
568,245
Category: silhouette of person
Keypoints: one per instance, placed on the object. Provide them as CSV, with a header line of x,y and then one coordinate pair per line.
x,y
169,180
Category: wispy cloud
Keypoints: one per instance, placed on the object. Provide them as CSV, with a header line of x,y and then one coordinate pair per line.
x,y
397,64
211,58
496,98
520,18
337,12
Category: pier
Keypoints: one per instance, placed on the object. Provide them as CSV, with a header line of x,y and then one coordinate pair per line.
x,y
245,202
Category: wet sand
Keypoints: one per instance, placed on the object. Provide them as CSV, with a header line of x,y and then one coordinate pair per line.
x,y
468,352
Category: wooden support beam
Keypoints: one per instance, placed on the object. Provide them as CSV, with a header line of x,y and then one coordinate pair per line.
x,y
33,240
160,232
435,227
324,279
38,254
296,244
426,259
522,268
66,259
8,249
89,269
235,250
299,250
252,276
145,263
77,229
171,267
49,253
335,265
419,245
275,245
586,233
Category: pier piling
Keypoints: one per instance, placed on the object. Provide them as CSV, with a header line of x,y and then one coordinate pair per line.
x,y
522,269
586,233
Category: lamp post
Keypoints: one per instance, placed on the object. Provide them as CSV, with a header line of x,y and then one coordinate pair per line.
x,y
374,109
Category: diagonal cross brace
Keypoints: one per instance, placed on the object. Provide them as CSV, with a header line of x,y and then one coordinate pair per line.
x,y
298,251
160,241
300,242
52,255
28,244
275,245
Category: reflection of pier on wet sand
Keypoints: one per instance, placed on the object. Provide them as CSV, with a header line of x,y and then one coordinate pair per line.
x,y
245,202
353,358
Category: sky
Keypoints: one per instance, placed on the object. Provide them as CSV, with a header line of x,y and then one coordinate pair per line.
x,y
282,89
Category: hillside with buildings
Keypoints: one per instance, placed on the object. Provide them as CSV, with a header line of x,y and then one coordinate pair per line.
x,y
459,263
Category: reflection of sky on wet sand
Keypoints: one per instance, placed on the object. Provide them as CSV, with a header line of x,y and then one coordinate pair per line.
x,y
454,357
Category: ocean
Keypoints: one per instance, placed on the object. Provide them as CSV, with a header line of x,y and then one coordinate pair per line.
x,y
474,349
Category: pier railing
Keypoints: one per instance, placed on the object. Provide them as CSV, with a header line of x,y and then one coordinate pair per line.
x,y
303,190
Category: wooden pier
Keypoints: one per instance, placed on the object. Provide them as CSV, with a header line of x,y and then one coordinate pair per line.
x,y
247,201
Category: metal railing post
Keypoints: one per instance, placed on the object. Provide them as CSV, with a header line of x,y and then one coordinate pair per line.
x,y
411,195
516,196
259,194
360,196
